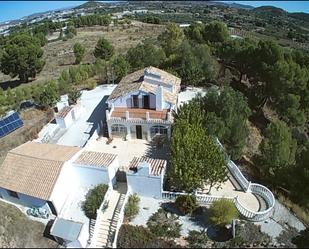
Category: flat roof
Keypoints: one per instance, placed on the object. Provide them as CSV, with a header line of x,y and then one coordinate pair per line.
x,y
66,229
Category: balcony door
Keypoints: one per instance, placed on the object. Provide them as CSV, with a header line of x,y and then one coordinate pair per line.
x,y
135,101
146,102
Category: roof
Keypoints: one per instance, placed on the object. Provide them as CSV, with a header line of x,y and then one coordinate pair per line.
x,y
66,229
33,168
135,81
98,159
156,165
65,111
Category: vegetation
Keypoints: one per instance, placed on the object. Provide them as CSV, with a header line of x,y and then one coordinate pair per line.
x,y
74,95
222,212
93,200
79,52
103,50
171,38
48,95
145,54
277,151
132,207
186,204
22,57
91,20
197,239
164,224
140,237
196,158
302,240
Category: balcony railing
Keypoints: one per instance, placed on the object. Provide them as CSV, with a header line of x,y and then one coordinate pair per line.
x,y
142,114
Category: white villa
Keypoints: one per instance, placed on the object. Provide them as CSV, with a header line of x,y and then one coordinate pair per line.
x,y
142,103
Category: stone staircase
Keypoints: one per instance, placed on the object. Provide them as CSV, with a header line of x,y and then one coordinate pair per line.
x,y
108,223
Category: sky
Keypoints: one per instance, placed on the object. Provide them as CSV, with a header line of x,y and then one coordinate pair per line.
x,y
10,10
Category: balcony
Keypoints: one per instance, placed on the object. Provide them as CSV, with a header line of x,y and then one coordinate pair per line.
x,y
138,114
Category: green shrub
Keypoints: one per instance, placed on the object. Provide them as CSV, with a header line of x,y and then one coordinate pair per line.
x,y
186,204
140,237
94,198
164,224
132,207
197,239
222,212
91,84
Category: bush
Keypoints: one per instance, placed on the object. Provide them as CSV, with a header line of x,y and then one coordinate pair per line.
x,y
132,207
164,224
302,240
91,84
197,239
186,204
140,237
222,212
94,198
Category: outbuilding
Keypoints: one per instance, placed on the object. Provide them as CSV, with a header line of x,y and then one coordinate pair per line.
x,y
145,176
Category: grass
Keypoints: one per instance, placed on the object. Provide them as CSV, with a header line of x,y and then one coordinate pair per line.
x,y
59,54
16,230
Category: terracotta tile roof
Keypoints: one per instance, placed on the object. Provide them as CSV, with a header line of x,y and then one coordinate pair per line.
x,y
120,112
30,169
156,165
65,111
93,158
135,81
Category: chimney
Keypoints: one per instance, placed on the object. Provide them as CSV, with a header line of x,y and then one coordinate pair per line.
x,y
159,98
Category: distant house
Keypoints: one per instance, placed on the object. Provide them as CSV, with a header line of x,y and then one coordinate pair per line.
x,y
141,105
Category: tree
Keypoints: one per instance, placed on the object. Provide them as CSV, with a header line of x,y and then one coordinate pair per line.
x,y
74,95
103,50
79,51
49,96
226,118
120,66
70,31
93,201
132,207
145,54
195,32
42,38
277,151
186,204
222,212
171,38
22,57
216,32
196,158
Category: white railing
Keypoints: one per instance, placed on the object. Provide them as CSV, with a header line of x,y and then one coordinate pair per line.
x,y
247,186
121,218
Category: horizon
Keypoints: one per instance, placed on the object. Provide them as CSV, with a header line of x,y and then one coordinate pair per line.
x,y
26,8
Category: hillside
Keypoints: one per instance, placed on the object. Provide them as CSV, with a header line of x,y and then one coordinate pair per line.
x,y
90,4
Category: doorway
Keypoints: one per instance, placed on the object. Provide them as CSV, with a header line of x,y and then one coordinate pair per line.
x,y
139,134
146,101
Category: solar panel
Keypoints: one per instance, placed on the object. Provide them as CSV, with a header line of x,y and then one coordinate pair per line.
x,y
10,123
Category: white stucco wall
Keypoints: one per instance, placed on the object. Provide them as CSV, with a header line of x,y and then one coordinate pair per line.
x,y
149,186
64,186
65,122
24,200
126,101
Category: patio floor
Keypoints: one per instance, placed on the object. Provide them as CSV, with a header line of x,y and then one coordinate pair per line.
x,y
126,150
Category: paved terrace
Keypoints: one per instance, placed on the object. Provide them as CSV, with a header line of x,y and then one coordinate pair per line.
x,y
126,150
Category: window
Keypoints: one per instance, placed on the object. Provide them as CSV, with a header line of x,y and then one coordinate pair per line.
x,y
158,129
119,130
12,194
135,101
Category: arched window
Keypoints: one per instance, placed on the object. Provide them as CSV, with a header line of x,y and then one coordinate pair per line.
x,y
119,130
158,130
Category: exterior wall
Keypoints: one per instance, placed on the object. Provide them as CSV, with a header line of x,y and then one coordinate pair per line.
x,y
62,187
149,186
24,200
83,236
65,122
126,101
